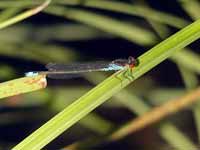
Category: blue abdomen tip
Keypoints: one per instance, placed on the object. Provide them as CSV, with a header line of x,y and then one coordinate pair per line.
x,y
31,74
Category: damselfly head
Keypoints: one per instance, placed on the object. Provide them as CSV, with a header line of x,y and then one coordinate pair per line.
x,y
131,62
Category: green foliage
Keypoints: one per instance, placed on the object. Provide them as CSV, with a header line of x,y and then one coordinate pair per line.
x,y
88,24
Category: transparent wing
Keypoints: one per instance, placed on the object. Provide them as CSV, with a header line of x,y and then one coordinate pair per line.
x,y
78,67
65,71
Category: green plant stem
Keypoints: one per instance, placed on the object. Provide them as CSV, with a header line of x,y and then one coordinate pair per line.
x,y
24,15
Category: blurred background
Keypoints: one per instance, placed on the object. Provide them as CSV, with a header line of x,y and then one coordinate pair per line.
x,y
89,30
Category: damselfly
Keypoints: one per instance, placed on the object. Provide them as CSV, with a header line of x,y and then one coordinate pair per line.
x,y
61,71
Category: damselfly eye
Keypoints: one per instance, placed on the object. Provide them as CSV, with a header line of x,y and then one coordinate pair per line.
x,y
131,60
